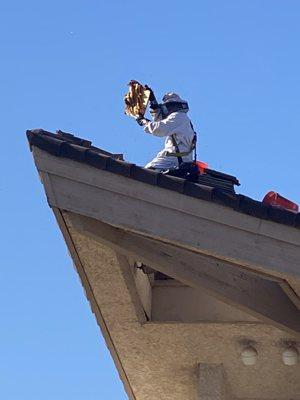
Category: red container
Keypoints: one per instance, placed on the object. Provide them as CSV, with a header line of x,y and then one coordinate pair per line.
x,y
276,200
202,166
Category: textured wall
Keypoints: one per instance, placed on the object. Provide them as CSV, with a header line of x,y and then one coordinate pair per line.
x,y
161,359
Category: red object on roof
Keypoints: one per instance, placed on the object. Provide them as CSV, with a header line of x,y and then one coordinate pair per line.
x,y
276,200
202,166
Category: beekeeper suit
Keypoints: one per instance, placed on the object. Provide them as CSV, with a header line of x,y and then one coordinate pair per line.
x,y
170,120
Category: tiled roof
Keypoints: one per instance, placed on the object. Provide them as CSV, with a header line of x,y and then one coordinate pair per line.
x,y
65,145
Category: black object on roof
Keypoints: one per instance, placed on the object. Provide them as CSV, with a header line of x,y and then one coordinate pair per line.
x,y
66,145
218,180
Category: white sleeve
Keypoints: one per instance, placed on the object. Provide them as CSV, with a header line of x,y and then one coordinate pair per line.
x,y
165,127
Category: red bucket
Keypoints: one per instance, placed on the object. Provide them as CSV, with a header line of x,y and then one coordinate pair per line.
x,y
276,200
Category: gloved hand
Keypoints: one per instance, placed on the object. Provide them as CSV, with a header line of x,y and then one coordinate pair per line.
x,y
152,97
153,102
142,121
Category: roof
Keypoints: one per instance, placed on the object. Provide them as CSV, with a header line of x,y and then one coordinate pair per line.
x,y
235,276
66,145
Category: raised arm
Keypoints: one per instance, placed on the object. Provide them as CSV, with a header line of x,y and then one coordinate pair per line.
x,y
165,127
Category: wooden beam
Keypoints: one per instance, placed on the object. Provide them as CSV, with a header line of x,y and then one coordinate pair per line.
x,y
126,271
262,298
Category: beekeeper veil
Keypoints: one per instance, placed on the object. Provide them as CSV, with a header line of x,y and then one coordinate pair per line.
x,y
172,102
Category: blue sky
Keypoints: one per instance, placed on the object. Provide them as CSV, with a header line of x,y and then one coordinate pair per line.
x,y
65,65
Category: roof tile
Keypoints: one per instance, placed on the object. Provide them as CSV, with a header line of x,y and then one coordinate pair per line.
x,y
44,142
282,216
252,207
96,160
73,139
171,183
297,220
225,199
144,175
119,167
74,152
199,191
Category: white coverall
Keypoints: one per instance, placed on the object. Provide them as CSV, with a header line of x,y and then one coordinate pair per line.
x,y
179,125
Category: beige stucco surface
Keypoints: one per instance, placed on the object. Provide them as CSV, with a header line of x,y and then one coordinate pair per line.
x,y
161,359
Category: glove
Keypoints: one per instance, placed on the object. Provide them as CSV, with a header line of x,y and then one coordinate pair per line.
x,y
153,102
142,121
151,97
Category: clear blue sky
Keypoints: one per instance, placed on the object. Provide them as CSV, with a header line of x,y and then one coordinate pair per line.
x,y
65,65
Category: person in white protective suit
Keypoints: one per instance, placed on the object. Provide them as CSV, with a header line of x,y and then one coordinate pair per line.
x,y
170,120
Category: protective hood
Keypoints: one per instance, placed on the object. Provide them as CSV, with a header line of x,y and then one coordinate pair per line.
x,y
172,97
172,102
